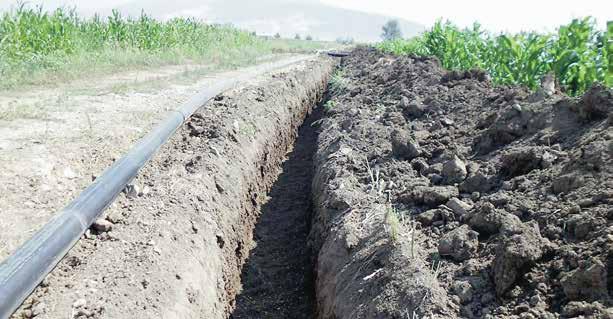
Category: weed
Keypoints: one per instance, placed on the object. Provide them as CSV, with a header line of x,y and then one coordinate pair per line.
x,y
338,82
329,106
392,221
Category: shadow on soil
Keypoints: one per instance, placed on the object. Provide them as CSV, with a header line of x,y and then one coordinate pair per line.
x,y
278,276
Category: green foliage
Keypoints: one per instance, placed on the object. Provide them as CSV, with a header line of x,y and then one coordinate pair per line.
x,y
35,43
338,82
391,30
329,106
578,54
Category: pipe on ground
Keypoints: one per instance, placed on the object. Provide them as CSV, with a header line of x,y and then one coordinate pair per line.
x,y
23,271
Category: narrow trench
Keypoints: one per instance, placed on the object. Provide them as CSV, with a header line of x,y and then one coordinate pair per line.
x,y
277,278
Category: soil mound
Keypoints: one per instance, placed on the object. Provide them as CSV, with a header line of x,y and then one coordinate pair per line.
x,y
438,194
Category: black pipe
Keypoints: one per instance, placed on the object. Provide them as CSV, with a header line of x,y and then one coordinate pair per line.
x,y
22,271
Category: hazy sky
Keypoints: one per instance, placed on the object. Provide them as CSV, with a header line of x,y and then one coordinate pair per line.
x,y
515,15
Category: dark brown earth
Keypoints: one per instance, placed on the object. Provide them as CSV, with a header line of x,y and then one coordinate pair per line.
x,y
278,276
440,195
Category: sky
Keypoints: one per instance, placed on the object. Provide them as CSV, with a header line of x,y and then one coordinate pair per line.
x,y
513,16
496,16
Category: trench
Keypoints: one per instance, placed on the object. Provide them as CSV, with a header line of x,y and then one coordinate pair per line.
x,y
277,278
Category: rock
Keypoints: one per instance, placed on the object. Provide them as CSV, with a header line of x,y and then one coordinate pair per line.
x,y
146,190
412,109
102,225
454,171
565,183
460,243
69,173
459,207
431,196
589,281
428,217
487,220
582,309
463,290
403,146
515,255
479,182
132,190
79,303
39,309
447,122
420,165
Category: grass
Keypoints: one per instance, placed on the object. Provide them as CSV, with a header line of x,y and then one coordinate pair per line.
x,y
578,54
15,111
338,82
38,47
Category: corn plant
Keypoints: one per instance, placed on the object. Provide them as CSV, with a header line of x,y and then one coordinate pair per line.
x,y
34,41
578,54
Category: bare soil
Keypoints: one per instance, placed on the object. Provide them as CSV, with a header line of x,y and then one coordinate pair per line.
x,y
278,276
175,247
54,140
438,195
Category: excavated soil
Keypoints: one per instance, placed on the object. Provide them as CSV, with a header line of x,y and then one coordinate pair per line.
x,y
277,278
174,245
439,195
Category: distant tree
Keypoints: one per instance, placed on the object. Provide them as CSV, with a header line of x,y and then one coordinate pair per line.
x,y
277,35
391,30
347,40
297,36
309,38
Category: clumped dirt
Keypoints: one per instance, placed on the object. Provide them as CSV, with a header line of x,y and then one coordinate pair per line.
x,y
174,244
439,195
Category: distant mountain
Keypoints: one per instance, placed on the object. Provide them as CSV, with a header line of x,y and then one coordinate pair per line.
x,y
268,17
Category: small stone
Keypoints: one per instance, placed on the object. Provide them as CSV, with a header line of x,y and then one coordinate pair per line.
x,y
102,225
447,122
454,171
403,146
463,290
39,309
132,190
79,303
69,173
566,183
219,187
412,109
460,243
517,107
428,217
146,190
589,281
459,207
534,300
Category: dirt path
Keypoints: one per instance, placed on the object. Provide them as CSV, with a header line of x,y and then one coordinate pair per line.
x,y
277,278
54,140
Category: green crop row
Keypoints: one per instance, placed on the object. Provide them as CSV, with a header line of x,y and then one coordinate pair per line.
x,y
36,45
578,54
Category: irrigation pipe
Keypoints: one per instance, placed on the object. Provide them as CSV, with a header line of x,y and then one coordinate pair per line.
x,y
23,271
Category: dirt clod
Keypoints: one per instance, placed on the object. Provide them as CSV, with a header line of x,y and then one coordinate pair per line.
x,y
460,243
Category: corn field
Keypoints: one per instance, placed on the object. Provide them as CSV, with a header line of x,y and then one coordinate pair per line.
x,y
34,41
578,54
